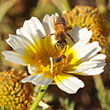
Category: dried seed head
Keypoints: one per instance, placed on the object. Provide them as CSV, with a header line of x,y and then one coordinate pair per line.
x,y
13,93
85,16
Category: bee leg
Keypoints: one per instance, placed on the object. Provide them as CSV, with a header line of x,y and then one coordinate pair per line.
x,y
43,37
48,35
68,28
55,47
70,37
65,49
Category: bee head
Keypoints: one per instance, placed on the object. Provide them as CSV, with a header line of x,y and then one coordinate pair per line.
x,y
61,44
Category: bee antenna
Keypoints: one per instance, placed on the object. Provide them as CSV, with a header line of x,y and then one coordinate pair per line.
x,y
49,35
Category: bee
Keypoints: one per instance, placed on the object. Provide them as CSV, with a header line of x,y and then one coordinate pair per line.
x,y
61,36
60,33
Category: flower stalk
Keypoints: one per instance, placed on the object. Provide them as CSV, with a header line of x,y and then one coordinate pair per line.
x,y
39,97
102,95
3,108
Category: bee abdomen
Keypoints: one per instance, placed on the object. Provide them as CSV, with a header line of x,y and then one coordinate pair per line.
x,y
60,24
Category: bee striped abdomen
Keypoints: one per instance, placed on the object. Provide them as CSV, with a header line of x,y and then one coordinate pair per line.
x,y
60,24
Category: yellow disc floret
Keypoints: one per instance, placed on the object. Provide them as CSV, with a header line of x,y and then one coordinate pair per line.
x,y
13,93
86,16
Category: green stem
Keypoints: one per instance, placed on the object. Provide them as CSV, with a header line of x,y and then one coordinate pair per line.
x,y
101,92
61,5
5,6
39,97
2,108
101,5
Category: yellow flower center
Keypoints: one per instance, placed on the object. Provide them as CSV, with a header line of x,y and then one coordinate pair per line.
x,y
41,59
43,62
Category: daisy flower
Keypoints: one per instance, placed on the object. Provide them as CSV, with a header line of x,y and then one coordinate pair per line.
x,y
39,54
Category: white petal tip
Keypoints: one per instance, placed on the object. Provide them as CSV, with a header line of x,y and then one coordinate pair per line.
x,y
70,85
3,52
11,35
23,81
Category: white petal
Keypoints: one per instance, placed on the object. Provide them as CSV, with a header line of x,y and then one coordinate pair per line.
x,y
94,71
98,57
81,38
89,50
72,34
22,33
13,57
46,24
42,81
56,16
83,35
92,64
85,66
32,68
32,25
49,23
70,84
38,25
33,30
20,45
37,80
32,77
53,19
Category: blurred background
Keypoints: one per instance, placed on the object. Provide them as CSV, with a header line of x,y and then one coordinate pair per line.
x,y
93,14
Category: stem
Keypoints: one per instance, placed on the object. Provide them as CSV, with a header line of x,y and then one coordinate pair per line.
x,y
39,97
101,5
61,5
5,6
101,92
2,107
